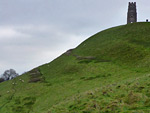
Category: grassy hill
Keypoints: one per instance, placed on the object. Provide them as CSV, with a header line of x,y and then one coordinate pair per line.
x,y
109,72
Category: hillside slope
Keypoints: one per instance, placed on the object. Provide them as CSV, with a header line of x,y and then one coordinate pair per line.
x,y
109,72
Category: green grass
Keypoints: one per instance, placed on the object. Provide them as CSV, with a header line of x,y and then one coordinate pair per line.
x,y
109,72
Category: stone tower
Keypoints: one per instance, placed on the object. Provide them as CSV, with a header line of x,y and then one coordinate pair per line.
x,y
132,14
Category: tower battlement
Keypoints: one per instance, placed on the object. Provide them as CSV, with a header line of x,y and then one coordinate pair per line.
x,y
132,3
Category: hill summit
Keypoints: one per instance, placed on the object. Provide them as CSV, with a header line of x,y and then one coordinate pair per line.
x,y
108,72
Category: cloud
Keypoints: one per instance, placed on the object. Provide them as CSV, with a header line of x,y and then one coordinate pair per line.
x,y
7,32
28,46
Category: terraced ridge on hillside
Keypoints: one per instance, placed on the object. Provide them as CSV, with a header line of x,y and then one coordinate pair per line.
x,y
107,72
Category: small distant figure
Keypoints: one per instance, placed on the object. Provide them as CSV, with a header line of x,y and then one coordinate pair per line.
x,y
146,20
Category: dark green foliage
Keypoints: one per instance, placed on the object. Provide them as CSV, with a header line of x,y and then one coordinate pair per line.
x,y
1,80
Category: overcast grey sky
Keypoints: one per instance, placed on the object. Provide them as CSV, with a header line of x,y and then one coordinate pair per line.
x,y
34,32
